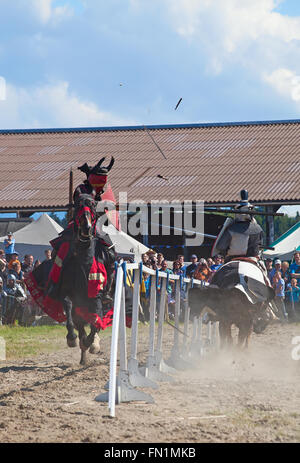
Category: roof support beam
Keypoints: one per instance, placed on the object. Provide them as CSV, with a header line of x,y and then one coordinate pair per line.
x,y
270,233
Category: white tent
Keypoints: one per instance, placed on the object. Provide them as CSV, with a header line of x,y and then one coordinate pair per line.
x,y
125,244
286,245
34,238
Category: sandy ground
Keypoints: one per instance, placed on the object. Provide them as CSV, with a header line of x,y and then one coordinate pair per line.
x,y
227,397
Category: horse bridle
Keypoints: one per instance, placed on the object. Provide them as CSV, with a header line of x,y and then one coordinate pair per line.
x,y
85,223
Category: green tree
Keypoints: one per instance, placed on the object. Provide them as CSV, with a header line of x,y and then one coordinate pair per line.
x,y
63,222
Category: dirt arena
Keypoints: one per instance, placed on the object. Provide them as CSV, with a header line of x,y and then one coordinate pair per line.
x,y
248,397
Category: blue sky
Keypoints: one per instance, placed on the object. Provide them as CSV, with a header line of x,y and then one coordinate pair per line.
x,y
79,63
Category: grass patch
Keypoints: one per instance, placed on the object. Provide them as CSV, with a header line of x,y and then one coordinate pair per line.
x,y
21,342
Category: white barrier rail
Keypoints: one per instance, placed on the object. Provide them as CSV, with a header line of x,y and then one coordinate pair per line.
x,y
123,387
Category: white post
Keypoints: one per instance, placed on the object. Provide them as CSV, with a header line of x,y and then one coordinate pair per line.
x,y
122,333
161,315
114,342
135,314
152,309
177,314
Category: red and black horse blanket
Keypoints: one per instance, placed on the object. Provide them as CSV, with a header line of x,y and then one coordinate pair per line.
x,y
78,275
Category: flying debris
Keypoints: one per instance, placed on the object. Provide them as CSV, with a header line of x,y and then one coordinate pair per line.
x,y
162,177
179,101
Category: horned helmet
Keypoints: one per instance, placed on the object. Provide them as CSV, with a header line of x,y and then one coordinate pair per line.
x,y
97,175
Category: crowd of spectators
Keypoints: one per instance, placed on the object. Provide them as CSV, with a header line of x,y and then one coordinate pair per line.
x,y
200,269
14,296
284,277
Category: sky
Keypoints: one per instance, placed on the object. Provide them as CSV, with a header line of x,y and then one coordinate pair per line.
x,y
96,63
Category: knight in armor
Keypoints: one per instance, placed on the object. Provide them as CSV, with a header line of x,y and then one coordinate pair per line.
x,y
93,186
241,239
241,236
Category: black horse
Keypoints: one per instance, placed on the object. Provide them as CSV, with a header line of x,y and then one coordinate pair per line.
x,y
226,300
70,286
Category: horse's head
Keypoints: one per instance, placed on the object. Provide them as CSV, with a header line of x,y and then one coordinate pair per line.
x,y
85,218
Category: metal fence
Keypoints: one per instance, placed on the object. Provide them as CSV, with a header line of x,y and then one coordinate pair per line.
x,y
125,385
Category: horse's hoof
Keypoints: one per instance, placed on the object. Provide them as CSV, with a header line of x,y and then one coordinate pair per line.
x,y
72,342
95,347
83,358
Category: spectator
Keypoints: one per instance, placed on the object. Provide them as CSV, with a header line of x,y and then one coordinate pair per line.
x,y
177,270
177,267
192,267
48,254
17,272
293,299
3,272
269,267
145,293
13,288
279,287
180,257
2,296
37,263
210,262
14,259
295,267
12,303
165,269
2,256
219,260
285,272
160,258
277,268
203,272
27,265
9,245
145,258
153,262
152,254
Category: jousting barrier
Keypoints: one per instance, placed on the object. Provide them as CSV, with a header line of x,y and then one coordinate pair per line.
x,y
186,349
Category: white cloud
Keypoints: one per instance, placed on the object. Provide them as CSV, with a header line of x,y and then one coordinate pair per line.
x,y
227,29
52,106
285,82
233,20
46,12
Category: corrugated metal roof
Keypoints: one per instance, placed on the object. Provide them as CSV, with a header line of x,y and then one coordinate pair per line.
x,y
209,162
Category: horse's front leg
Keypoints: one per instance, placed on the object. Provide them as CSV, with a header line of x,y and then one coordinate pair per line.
x,y
245,331
225,334
93,341
82,342
71,336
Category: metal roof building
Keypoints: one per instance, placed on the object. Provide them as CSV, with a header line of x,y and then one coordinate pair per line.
x,y
210,162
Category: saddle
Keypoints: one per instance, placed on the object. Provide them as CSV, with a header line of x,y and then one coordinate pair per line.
x,y
255,261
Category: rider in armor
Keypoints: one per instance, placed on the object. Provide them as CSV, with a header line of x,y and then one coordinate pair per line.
x,y
93,185
241,239
241,236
